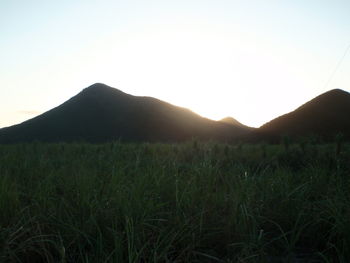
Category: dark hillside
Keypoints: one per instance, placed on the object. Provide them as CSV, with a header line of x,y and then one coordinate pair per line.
x,y
234,122
101,113
326,115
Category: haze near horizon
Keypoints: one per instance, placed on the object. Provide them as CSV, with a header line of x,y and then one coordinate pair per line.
x,y
252,60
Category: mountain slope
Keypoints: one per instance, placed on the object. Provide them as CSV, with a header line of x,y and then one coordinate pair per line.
x,y
325,115
101,113
234,122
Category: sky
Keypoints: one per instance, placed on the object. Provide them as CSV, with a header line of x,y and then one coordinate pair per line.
x,y
249,59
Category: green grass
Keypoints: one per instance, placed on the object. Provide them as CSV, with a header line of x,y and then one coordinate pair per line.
x,y
190,202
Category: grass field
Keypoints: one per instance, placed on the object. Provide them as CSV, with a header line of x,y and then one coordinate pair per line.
x,y
190,202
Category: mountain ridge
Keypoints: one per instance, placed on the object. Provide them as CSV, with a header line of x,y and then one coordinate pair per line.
x,y
234,122
327,114
101,113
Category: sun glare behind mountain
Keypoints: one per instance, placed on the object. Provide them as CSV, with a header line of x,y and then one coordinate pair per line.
x,y
208,71
252,60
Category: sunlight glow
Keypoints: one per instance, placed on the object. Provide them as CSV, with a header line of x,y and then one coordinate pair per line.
x,y
251,60
210,72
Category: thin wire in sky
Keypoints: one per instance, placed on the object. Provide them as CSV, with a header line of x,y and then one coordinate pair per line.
x,y
337,67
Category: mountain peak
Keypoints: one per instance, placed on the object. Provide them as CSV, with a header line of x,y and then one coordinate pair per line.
x,y
100,89
326,115
231,121
336,91
97,86
334,99
101,113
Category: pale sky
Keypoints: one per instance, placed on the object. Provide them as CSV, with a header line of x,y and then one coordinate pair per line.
x,y
249,59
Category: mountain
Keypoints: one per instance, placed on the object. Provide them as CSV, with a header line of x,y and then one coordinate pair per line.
x,y
326,115
234,122
100,113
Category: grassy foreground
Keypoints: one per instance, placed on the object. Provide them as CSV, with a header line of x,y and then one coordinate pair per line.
x,y
188,202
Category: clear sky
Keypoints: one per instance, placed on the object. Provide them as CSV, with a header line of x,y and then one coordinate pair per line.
x,y
250,59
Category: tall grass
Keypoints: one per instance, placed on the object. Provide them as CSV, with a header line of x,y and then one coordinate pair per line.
x,y
190,202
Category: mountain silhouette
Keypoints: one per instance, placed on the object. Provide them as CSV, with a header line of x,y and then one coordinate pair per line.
x,y
326,115
234,122
100,113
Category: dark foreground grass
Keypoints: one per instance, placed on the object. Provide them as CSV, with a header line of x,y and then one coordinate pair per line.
x,y
188,202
